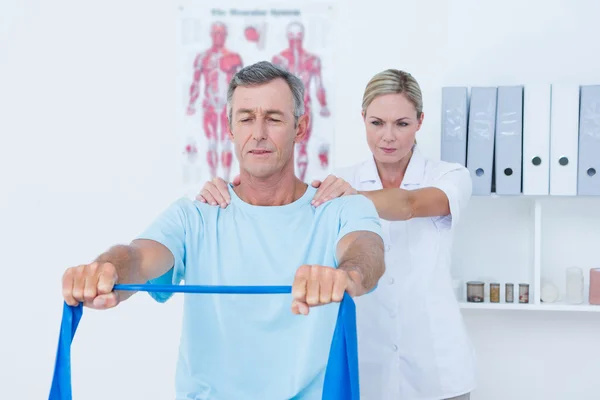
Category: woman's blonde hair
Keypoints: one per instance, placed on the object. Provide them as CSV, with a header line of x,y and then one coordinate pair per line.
x,y
393,81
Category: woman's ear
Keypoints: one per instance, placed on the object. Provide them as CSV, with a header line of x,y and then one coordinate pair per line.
x,y
420,122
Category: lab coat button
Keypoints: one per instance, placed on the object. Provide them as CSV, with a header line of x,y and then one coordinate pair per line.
x,y
391,280
395,348
388,247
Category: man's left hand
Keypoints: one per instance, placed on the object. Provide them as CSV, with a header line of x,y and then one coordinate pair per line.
x,y
331,188
316,285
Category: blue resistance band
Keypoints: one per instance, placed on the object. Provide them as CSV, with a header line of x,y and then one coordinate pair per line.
x,y
341,375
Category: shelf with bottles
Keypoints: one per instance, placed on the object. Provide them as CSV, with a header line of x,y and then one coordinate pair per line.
x,y
495,243
570,235
529,240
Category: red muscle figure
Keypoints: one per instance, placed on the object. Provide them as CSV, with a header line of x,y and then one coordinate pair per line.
x,y
307,67
217,65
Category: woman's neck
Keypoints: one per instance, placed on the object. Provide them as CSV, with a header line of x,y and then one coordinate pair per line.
x,y
392,174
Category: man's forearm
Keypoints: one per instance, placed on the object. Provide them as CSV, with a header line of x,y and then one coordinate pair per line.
x,y
364,261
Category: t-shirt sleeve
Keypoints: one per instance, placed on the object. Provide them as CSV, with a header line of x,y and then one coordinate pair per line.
x,y
169,229
456,183
358,213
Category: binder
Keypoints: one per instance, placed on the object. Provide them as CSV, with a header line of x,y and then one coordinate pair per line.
x,y
536,139
454,125
480,138
509,140
564,139
588,174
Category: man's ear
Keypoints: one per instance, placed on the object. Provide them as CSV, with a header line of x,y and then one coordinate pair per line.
x,y
230,131
302,128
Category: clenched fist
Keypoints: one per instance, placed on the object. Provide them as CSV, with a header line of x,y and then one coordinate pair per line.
x,y
316,285
92,285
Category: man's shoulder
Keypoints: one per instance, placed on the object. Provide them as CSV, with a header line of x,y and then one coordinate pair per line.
x,y
355,205
186,208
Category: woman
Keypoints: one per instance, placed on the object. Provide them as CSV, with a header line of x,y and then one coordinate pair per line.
x,y
412,341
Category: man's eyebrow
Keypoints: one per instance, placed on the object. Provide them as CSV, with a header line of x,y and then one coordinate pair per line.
x,y
252,112
278,112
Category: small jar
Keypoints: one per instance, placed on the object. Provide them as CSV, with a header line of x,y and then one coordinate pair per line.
x,y
523,293
494,293
509,290
475,291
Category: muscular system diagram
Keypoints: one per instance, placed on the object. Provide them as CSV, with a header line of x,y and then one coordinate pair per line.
x,y
216,66
307,67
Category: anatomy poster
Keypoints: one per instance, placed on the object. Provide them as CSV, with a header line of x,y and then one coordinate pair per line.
x,y
214,43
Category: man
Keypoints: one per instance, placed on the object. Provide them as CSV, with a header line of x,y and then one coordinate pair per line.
x,y
307,67
249,346
216,65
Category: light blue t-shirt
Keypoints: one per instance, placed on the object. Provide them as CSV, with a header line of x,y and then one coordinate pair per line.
x,y
252,346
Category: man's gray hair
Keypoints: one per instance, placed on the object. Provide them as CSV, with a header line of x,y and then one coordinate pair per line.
x,y
264,72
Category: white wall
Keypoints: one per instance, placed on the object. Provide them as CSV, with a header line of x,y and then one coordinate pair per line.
x,y
83,86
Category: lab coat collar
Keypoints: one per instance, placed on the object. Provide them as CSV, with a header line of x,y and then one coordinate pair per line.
x,y
415,172
413,176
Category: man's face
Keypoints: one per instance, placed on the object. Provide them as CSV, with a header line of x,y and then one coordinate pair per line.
x,y
262,128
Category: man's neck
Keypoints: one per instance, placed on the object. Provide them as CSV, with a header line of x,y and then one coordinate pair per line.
x,y
273,191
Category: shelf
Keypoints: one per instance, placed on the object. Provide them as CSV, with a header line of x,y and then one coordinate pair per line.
x,y
496,306
526,239
530,307
533,196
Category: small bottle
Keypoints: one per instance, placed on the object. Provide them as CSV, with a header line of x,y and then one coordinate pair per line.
x,y
494,293
523,293
574,280
595,286
475,291
509,296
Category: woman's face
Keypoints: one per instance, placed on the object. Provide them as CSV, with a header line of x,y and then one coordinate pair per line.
x,y
391,124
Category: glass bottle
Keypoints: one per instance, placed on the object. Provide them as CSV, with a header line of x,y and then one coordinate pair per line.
x,y
475,291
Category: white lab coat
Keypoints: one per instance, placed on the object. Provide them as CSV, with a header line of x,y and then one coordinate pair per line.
x,y
413,344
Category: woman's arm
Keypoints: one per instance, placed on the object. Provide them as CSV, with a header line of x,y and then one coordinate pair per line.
x,y
395,204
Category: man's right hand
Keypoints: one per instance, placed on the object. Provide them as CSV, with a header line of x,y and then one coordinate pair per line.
x,y
91,284
215,192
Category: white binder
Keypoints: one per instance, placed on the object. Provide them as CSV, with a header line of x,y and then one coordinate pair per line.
x,y
454,125
536,140
508,157
588,183
564,138
481,137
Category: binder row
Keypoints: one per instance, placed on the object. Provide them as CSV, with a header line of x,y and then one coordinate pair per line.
x,y
528,139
